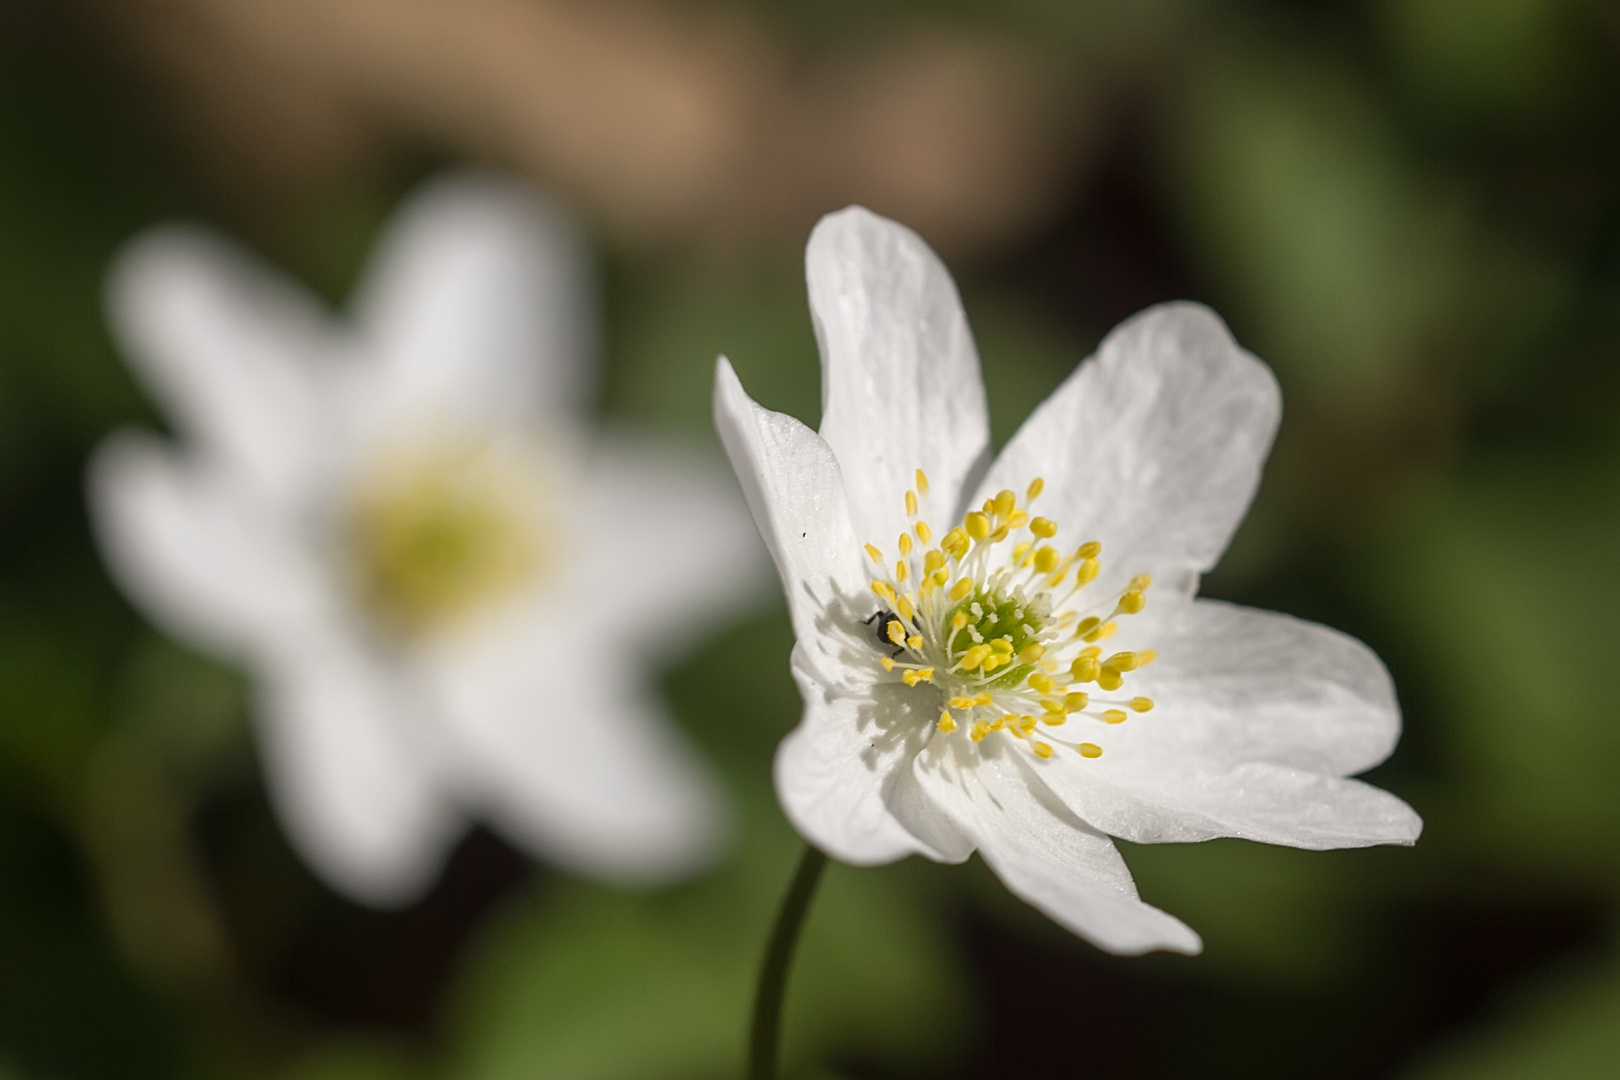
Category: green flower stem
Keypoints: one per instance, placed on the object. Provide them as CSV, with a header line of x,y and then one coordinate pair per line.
x,y
767,1028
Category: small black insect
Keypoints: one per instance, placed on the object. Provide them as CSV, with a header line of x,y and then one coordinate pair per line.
x,y
884,619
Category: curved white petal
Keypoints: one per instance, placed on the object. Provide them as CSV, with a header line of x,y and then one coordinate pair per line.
x,y
564,749
1041,851
1153,446
349,770
230,347
476,304
900,382
202,556
1233,685
1274,804
844,774
667,546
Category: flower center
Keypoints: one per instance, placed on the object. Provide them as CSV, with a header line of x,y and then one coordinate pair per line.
x,y
435,533
999,619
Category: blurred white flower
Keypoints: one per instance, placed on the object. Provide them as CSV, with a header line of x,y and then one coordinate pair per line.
x,y
972,680
446,593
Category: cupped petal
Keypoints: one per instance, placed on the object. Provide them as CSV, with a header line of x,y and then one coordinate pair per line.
x,y
477,305
1043,853
230,347
350,769
844,774
1273,804
1234,685
566,752
1154,446
201,554
668,547
900,382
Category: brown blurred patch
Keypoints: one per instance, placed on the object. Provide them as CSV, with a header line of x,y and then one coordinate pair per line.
x,y
667,123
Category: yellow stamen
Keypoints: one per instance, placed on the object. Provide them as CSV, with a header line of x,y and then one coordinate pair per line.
x,y
1142,704
1043,528
922,482
946,723
1089,550
961,589
877,556
924,533
1005,501
1075,702
1046,560
1113,716
1036,486
911,504
977,525
1042,750
1089,750
905,543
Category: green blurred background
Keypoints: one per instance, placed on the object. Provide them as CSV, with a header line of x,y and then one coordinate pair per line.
x,y
1410,208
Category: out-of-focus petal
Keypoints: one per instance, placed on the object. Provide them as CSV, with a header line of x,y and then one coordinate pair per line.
x,y
200,553
477,305
668,546
900,382
351,769
844,774
560,744
1153,446
1042,852
232,348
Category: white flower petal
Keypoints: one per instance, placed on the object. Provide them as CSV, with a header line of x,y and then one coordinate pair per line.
x,y
350,776
1153,446
564,749
230,347
1233,685
203,556
844,774
1041,851
669,547
901,389
476,305
1273,804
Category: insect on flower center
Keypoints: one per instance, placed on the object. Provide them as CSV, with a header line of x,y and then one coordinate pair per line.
x,y
996,616
435,533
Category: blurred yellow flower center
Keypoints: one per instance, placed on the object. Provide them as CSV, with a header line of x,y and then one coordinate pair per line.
x,y
997,617
437,534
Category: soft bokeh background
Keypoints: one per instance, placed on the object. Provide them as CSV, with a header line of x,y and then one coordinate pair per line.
x,y
1411,208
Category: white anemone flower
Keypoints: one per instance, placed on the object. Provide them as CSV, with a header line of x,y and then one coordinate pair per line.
x,y
1008,657
447,590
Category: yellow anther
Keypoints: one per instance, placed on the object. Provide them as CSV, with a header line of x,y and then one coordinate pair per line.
x,y
1109,679
1005,501
914,642
1091,652
884,590
1141,704
940,577
1046,560
1122,661
1053,706
933,561
1089,550
991,662
946,723
1017,519
1075,702
924,533
887,662
1140,582
974,657
960,619
1019,551
1054,719
978,731
909,677
1042,750
1104,632
901,572
1043,528
1026,724
896,632
961,702
1087,571
981,699
1085,669
1146,657
1041,683
917,675
1089,750
998,723
1113,716
1133,602
877,556
903,606
1002,645
1031,652
961,589
911,504
955,542
1036,486
905,543
922,481
1087,625
999,535
977,525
